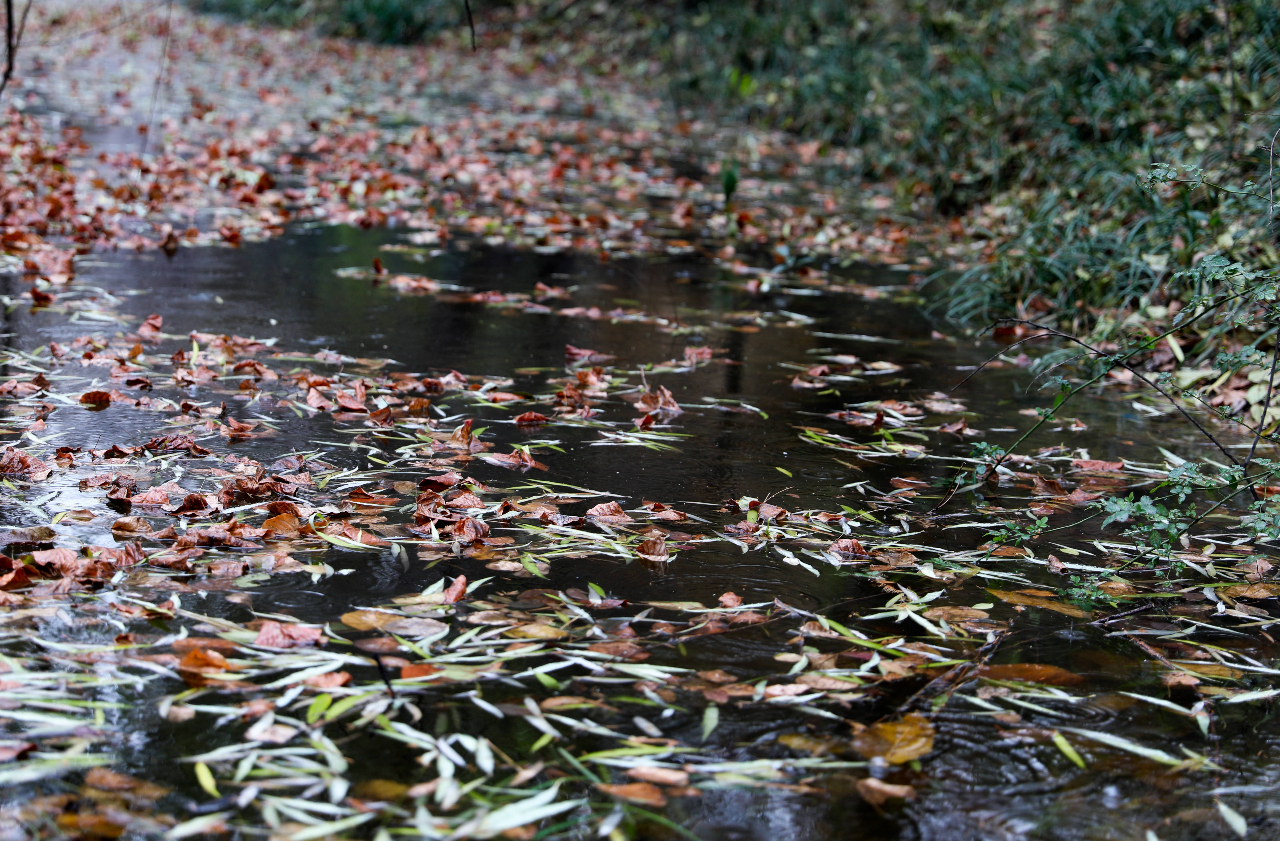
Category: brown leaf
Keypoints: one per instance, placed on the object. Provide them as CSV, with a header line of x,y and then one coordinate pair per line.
x,y
536,631
642,794
131,525
661,776
418,670
876,792
366,620
105,779
1095,466
897,741
96,399
654,549
955,614
1037,601
620,648
1251,591
848,547
9,751
1031,673
730,599
182,646
455,591
609,512
276,635
531,419
203,661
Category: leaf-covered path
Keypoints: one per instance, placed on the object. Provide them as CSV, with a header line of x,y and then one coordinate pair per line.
x,y
411,442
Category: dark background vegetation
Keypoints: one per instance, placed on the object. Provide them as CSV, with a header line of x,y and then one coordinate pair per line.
x,y
1031,121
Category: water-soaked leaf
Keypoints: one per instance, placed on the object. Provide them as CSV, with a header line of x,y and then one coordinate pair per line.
x,y
536,631
877,792
896,741
1031,673
641,794
1251,591
1011,597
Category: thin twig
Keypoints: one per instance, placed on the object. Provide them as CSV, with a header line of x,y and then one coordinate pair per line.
x,y
1231,67
1044,419
1122,614
1271,175
1266,405
955,675
10,44
1140,376
1198,519
164,60
994,357
470,23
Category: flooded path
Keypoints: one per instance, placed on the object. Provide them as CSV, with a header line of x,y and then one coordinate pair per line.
x,y
555,501
983,763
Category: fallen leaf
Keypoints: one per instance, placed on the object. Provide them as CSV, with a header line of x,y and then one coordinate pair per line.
x,y
276,635
661,776
1031,673
1036,601
876,792
642,794
897,741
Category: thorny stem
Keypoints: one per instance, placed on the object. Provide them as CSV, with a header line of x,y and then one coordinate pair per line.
x,y
1140,376
1117,360
1266,405
1199,518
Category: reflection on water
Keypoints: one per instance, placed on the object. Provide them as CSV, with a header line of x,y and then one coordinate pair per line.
x,y
978,783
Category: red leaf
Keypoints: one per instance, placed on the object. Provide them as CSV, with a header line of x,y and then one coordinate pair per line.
x,y
455,591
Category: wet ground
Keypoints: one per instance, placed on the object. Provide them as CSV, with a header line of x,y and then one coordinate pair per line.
x,y
302,573
993,770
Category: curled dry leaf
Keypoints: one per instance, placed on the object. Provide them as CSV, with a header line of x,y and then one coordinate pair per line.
x,y
848,547
96,399
654,549
609,512
458,588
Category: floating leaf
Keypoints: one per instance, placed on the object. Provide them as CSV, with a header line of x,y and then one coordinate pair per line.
x,y
1031,673
1038,601
642,794
898,741
1067,750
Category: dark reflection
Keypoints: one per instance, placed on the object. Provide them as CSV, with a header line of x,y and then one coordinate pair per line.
x,y
980,784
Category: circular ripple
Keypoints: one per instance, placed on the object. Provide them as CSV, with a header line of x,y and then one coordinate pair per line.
x,y
297,598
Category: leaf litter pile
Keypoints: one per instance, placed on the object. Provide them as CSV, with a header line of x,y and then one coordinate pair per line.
x,y
982,639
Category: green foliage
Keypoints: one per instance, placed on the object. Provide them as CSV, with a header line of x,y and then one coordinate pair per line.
x,y
1085,592
386,21
1016,534
1151,523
